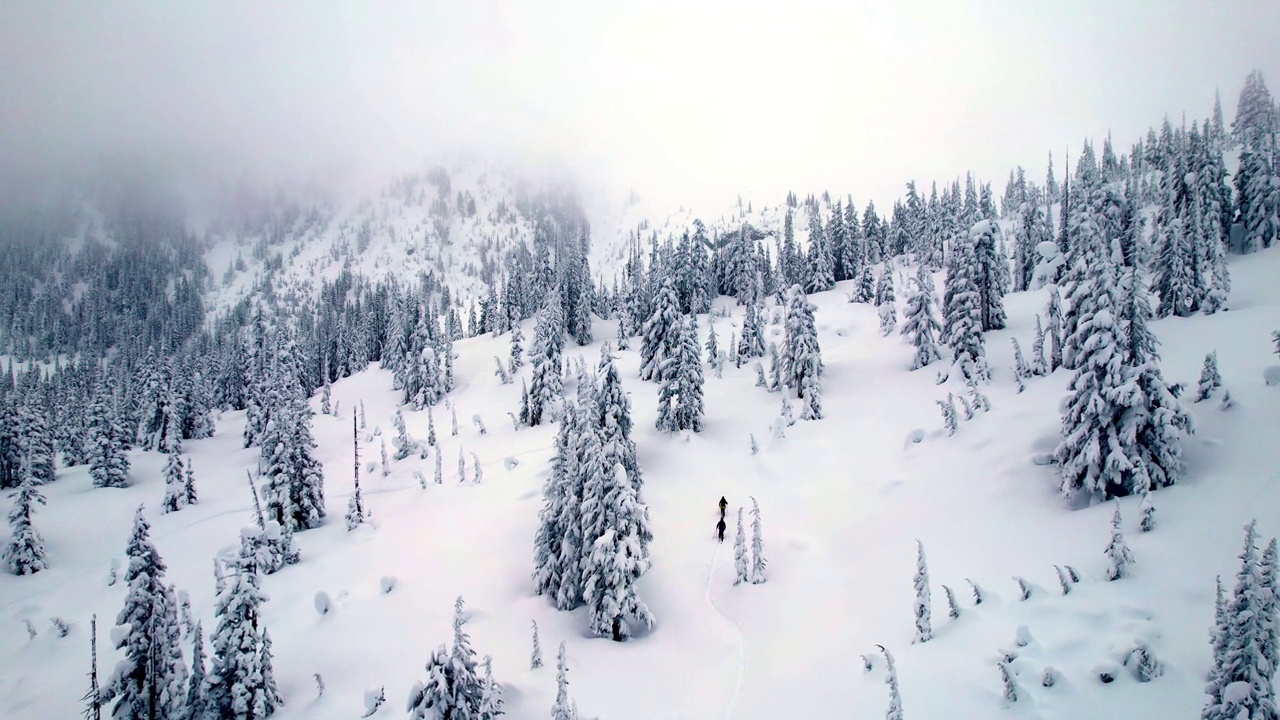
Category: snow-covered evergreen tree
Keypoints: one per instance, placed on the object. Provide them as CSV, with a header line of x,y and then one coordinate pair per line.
x,y
920,324
197,707
294,478
661,342
150,681
962,324
891,679
548,343
1118,556
741,562
240,684
174,484
923,606
515,358
1242,684
189,494
801,355
680,396
758,563
564,708
990,274
1210,379
24,553
108,444
535,655
615,529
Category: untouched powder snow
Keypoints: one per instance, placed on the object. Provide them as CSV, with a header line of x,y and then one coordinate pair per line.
x,y
843,501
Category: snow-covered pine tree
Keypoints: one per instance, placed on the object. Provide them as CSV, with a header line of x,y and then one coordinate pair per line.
x,y
950,420
740,560
680,397
465,683
189,495
1092,457
402,442
294,478
386,464
891,679
962,324
714,360
1243,684
920,324
535,655
615,527
758,563
239,682
661,342
564,708
434,699
439,472
1157,417
174,484
1118,556
24,553
801,355
149,681
515,358
1147,513
1210,379
355,506
108,444
990,274
548,344
196,702
462,464
923,606
490,693
1054,328
751,342
819,273
559,513
1267,577
613,418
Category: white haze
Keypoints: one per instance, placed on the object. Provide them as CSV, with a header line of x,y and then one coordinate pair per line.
x,y
689,102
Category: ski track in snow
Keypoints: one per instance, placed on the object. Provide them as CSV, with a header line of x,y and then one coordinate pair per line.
x,y
737,629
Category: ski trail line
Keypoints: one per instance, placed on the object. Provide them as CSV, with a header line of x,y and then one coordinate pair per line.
x,y
737,629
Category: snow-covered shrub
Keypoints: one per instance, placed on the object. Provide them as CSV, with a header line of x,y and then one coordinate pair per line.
x,y
323,603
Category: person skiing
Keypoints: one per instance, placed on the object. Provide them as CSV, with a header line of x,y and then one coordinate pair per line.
x,y
723,505
720,528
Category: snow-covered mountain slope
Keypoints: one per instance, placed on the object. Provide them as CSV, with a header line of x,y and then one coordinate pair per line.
x,y
843,501
452,221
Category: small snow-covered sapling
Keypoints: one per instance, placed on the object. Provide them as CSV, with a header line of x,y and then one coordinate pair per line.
x,y
1071,573
60,626
1024,588
1050,677
1143,663
373,700
1147,511
977,591
1117,551
1010,686
866,663
319,685
755,448
322,603
535,656
1063,580
31,629
953,609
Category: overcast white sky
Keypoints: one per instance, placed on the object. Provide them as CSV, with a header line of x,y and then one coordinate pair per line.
x,y
689,101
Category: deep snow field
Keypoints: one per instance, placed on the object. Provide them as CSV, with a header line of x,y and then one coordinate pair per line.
x,y
843,501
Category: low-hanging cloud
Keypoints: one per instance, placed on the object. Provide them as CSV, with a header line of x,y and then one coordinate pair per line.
x,y
688,101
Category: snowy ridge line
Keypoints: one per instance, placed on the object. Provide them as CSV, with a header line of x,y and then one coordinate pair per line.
x,y
737,628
